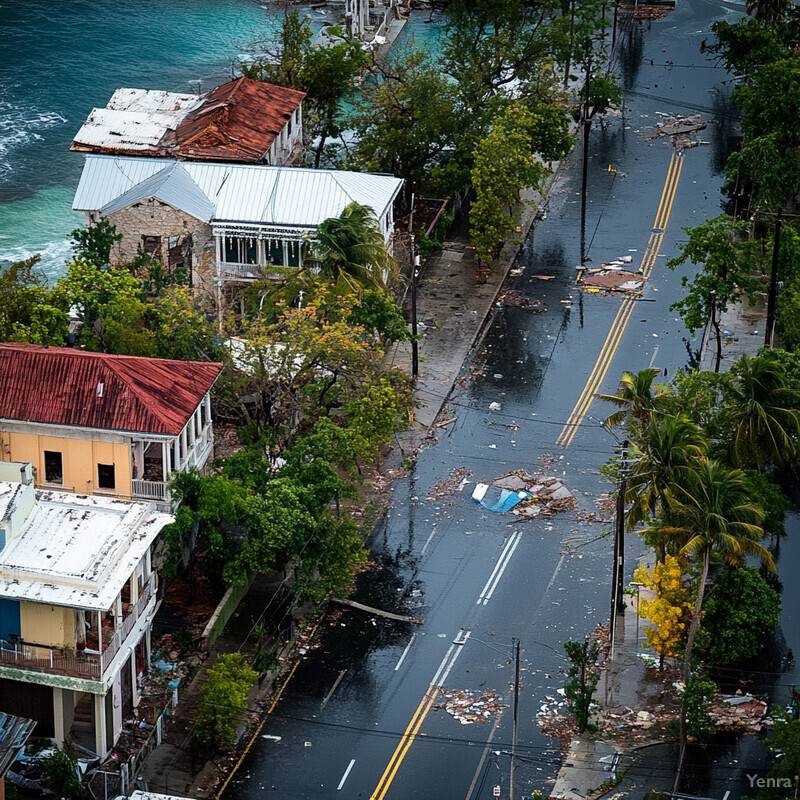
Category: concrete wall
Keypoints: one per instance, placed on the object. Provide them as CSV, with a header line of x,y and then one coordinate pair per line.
x,y
79,460
52,626
154,218
224,611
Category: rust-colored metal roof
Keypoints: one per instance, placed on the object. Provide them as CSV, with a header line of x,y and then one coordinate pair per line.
x,y
61,386
238,121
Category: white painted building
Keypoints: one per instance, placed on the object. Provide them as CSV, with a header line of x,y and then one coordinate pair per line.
x,y
77,600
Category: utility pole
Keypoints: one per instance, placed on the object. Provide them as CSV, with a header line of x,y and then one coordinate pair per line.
x,y
618,571
769,333
414,268
414,343
515,646
586,125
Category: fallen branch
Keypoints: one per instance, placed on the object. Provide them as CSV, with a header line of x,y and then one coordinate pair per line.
x,y
371,610
446,422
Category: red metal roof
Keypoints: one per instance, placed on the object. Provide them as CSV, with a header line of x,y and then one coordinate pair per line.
x,y
237,122
62,386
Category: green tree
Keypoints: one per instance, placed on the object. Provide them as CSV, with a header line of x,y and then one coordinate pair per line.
x,y
638,400
376,311
110,305
698,695
504,165
762,412
583,678
665,453
31,311
326,74
62,775
768,11
713,514
726,276
349,250
180,329
406,122
768,162
93,244
277,521
740,611
786,742
223,699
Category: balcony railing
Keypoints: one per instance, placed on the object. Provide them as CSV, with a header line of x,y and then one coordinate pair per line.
x,y
68,660
239,272
151,490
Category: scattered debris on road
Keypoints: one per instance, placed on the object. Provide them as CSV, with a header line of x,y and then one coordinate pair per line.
x,y
525,495
455,483
610,277
515,299
378,611
467,709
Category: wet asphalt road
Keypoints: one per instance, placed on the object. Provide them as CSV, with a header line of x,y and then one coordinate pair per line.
x,y
343,715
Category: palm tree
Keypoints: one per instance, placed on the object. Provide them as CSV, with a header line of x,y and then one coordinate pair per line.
x,y
712,514
762,412
638,399
350,251
770,11
666,454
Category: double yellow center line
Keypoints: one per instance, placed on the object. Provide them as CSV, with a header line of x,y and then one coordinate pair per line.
x,y
406,740
623,316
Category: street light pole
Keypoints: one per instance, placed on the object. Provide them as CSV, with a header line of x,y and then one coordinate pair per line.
x,y
638,587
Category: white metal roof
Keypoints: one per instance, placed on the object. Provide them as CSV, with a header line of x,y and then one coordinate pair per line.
x,y
172,185
75,550
243,193
135,119
150,100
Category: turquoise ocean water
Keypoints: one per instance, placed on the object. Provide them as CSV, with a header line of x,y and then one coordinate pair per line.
x,y
61,58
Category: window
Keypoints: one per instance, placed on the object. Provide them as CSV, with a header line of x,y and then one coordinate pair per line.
x,y
240,251
105,476
289,126
152,246
53,471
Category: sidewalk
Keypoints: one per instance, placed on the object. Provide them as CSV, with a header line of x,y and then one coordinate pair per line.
x,y
742,330
452,310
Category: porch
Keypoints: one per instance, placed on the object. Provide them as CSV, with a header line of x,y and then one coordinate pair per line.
x,y
95,650
154,460
242,257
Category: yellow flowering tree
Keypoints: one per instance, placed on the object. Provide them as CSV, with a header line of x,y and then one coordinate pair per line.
x,y
670,610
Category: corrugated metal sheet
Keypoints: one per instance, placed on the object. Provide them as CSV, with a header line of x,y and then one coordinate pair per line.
x,y
244,193
14,733
173,186
61,386
135,120
238,121
150,100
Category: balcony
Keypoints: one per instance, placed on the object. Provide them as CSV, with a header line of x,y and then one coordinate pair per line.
x,y
69,660
149,490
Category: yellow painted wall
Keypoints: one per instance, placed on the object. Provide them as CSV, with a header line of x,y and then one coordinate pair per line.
x,y
47,625
79,460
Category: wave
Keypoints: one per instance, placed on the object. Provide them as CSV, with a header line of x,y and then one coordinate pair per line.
x,y
54,254
18,126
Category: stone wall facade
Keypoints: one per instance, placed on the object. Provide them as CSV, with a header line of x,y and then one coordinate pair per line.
x,y
150,225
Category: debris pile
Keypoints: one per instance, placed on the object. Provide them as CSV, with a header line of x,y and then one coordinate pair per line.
x,y
735,712
611,276
525,495
515,299
467,709
560,727
655,9
455,483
